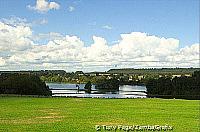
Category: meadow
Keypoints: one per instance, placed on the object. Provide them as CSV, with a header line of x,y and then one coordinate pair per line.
x,y
18,114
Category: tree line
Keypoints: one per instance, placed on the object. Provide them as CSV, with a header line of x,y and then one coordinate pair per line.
x,y
23,84
178,87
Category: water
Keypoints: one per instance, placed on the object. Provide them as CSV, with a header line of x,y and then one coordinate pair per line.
x,y
70,90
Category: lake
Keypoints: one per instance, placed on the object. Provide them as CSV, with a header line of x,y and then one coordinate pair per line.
x,y
70,90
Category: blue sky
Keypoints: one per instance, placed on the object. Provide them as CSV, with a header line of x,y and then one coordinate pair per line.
x,y
97,35
164,18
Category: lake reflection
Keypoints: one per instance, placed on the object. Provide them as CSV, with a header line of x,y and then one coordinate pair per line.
x,y
70,90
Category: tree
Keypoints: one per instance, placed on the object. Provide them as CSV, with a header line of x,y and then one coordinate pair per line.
x,y
23,84
88,87
110,84
178,87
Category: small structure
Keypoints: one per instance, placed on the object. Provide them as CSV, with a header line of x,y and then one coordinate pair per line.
x,y
130,78
79,73
188,75
140,77
173,76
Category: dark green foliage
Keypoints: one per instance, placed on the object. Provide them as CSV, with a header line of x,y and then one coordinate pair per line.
x,y
178,87
88,87
79,72
96,77
23,84
154,71
110,84
38,73
196,74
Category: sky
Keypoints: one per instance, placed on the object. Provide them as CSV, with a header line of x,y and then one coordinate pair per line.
x,y
97,35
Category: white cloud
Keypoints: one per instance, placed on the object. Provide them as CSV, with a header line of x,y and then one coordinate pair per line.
x,y
77,1
187,56
43,6
137,43
47,36
40,21
107,27
2,62
15,21
71,8
19,49
14,37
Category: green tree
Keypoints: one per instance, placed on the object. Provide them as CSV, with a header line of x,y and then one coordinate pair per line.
x,y
88,87
23,84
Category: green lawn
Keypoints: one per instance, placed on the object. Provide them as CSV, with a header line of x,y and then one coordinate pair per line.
x,y
82,114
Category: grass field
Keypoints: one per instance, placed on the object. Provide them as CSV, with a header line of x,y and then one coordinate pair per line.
x,y
82,114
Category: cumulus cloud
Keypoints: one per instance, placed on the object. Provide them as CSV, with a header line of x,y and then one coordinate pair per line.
x,y
187,56
2,62
46,36
20,49
141,44
71,8
43,6
14,37
15,21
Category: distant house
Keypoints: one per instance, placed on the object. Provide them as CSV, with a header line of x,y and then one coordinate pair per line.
x,y
188,75
80,73
130,78
104,74
109,77
115,74
140,77
98,74
92,74
173,76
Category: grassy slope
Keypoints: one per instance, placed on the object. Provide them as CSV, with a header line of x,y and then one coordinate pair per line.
x,y
74,114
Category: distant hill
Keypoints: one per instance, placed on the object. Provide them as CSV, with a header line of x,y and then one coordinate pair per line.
x,y
155,71
111,71
40,72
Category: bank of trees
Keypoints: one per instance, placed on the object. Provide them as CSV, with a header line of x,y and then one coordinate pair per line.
x,y
23,84
71,78
178,87
154,71
88,87
108,84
